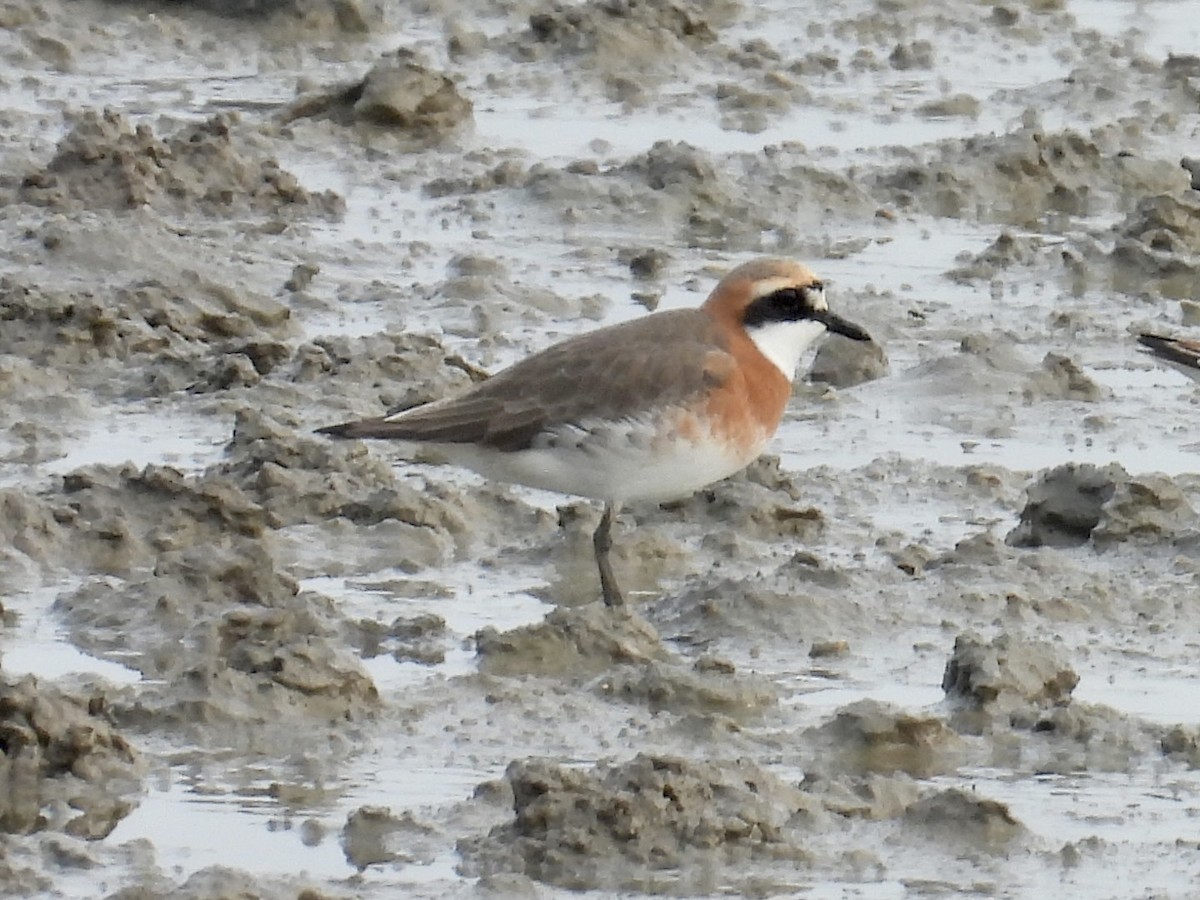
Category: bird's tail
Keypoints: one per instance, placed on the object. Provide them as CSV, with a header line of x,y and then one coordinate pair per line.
x,y
378,427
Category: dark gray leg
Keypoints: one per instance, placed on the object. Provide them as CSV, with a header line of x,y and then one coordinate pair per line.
x,y
602,541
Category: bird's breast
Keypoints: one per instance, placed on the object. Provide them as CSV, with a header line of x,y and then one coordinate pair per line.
x,y
747,406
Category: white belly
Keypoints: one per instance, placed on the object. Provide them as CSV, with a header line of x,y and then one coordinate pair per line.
x,y
614,462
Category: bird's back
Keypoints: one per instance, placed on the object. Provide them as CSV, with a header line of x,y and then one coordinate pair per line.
x,y
661,361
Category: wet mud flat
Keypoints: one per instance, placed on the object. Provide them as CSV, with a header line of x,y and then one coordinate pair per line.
x,y
940,640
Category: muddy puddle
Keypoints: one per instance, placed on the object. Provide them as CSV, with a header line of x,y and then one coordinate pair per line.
x,y
940,640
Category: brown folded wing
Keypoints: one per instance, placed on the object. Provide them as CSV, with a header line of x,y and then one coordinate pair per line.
x,y
665,359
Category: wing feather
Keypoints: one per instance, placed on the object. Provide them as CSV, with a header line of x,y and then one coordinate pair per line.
x,y
664,359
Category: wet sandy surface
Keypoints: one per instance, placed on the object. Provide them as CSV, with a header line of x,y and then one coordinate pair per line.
x,y
941,640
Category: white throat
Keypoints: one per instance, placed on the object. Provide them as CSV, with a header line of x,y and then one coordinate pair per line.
x,y
783,343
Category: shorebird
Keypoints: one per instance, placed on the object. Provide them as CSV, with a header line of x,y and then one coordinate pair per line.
x,y
1180,353
648,410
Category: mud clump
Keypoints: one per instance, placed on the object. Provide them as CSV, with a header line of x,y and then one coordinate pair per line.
x,y
1016,694
1007,251
606,37
104,162
374,835
119,521
156,337
728,204
225,639
872,737
751,111
280,645
1157,247
988,371
802,598
1065,506
570,642
1061,378
31,532
1169,222
1147,507
379,372
410,96
1015,179
871,796
344,17
707,688
399,92
614,827
62,765
221,881
420,639
958,817
192,596
841,362
1076,503
677,172
1182,743
1009,681
761,502
582,29
648,263
953,105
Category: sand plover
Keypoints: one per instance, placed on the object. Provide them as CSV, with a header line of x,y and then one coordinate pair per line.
x,y
652,409
1181,353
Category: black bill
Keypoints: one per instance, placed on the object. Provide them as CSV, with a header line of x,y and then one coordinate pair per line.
x,y
844,327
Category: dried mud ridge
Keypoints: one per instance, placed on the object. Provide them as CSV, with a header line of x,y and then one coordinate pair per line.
x,y
104,162
63,766
682,826
194,596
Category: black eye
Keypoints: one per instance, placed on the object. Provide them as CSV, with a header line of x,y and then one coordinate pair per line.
x,y
787,304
